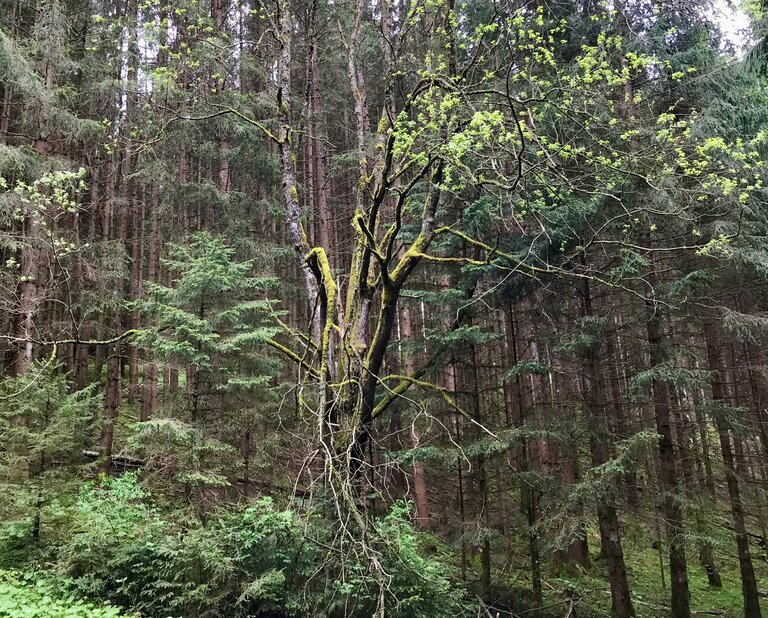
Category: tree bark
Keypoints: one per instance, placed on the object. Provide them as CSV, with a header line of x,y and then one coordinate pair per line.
x,y
419,489
599,447
111,404
29,292
673,515
748,581
482,477
528,497
148,392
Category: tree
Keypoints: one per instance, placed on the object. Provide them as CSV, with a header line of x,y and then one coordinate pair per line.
x,y
213,322
43,430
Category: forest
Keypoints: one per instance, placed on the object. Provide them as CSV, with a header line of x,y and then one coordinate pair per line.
x,y
383,308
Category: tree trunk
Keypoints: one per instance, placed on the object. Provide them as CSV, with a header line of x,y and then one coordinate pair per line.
x,y
148,392
482,477
748,581
623,429
673,515
316,143
111,404
136,245
528,497
599,447
154,242
288,173
420,498
29,293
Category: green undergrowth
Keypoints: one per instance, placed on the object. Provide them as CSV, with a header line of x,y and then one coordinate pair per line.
x,y
725,601
117,543
651,597
32,596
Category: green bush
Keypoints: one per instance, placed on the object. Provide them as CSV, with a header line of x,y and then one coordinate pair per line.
x,y
43,430
247,560
125,549
22,597
394,570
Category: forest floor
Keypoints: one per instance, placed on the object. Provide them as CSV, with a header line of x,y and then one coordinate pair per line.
x,y
21,596
31,597
651,597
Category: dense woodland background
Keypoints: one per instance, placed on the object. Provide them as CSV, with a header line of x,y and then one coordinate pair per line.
x,y
408,308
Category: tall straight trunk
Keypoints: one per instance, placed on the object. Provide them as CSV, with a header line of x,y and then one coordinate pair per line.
x,y
577,552
153,250
748,581
419,489
290,188
757,404
482,477
528,495
170,382
80,377
107,213
80,352
708,478
600,449
316,144
460,500
673,515
623,429
192,390
173,380
148,392
136,245
681,422
223,172
707,560
128,215
5,112
111,405
219,12
758,399
706,483
29,293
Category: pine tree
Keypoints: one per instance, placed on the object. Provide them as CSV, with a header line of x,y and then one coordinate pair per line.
x,y
215,321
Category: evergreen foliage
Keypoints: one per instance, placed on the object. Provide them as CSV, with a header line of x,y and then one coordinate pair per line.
x,y
395,309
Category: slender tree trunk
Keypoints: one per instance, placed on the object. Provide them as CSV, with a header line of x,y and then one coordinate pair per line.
x,y
748,581
482,476
148,392
111,405
136,244
528,497
5,113
577,552
623,429
29,293
192,391
561,395
317,159
154,240
290,188
460,500
599,446
673,515
706,483
419,490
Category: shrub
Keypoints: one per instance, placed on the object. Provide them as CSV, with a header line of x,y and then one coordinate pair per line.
x,y
22,597
249,560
